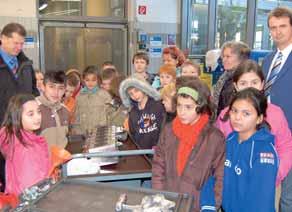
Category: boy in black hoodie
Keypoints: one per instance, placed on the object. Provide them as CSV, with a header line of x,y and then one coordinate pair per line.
x,y
146,114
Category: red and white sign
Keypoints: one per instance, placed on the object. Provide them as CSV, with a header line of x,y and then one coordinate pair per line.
x,y
142,9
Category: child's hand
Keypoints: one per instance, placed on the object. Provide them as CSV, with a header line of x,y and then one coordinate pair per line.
x,y
58,157
126,124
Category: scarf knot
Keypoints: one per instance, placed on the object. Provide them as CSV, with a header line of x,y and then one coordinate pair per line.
x,y
187,135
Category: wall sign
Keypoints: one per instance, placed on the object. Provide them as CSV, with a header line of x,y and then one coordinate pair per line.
x,y
142,10
155,40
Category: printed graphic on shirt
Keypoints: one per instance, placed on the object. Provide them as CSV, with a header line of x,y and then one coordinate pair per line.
x,y
237,170
267,157
227,163
147,123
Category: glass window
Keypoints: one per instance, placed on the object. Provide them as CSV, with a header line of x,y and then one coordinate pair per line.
x,y
60,8
231,21
262,35
105,8
199,27
97,8
78,47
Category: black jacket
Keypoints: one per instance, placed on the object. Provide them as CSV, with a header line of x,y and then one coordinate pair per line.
x,y
9,85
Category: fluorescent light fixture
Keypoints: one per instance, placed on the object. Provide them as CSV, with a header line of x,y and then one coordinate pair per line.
x,y
42,5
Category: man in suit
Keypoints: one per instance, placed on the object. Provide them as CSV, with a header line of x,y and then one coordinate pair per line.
x,y
278,72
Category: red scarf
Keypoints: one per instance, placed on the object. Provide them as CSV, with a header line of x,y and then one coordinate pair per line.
x,y
187,136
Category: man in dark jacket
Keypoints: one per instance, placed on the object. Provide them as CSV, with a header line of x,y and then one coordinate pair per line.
x,y
16,71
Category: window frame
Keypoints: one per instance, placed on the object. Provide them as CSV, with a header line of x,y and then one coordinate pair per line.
x,y
83,21
212,13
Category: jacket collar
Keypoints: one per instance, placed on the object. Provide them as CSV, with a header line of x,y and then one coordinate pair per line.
x,y
53,106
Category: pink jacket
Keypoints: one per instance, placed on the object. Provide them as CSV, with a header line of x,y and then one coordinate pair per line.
x,y
279,128
25,165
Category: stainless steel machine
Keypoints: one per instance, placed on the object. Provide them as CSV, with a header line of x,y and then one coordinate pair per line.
x,y
68,196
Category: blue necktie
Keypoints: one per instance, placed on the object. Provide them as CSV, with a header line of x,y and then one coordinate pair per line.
x,y
13,63
274,74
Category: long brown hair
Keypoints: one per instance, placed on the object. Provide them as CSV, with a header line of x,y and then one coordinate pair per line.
x,y
13,117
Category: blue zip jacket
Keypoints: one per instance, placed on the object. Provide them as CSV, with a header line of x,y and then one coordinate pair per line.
x,y
207,196
250,173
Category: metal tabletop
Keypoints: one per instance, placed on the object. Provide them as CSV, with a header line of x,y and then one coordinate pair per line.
x,y
133,163
68,195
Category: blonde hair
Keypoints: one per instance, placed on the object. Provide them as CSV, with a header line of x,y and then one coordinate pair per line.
x,y
168,91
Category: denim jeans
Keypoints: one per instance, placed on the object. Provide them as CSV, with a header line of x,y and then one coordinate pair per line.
x,y
286,194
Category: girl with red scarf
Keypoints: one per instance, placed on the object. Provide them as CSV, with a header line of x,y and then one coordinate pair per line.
x,y
191,149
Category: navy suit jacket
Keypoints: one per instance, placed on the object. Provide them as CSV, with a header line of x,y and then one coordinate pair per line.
x,y
282,88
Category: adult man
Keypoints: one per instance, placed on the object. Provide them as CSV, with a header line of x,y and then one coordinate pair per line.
x,y
16,72
278,71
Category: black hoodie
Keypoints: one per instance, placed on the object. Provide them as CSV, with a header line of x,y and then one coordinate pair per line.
x,y
145,125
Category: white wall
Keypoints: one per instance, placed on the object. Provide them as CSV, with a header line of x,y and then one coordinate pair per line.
x,y
163,11
21,8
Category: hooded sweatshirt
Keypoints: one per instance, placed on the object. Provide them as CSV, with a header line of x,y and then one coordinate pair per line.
x,y
25,165
144,124
250,173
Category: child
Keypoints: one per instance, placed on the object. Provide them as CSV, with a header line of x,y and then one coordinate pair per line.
x,y
167,75
55,116
76,74
167,95
72,84
108,64
249,74
170,56
92,103
251,160
107,75
190,149
147,113
141,62
39,80
117,112
191,69
26,154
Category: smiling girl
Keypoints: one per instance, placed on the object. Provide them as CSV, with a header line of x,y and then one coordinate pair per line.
x,y
26,154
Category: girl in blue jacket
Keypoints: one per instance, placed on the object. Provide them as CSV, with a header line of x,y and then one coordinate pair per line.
x,y
251,160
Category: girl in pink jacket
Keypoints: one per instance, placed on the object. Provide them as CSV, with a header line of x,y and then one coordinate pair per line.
x,y
249,74
26,154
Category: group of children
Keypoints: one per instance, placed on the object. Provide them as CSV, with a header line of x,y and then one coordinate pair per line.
x,y
230,160
234,162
